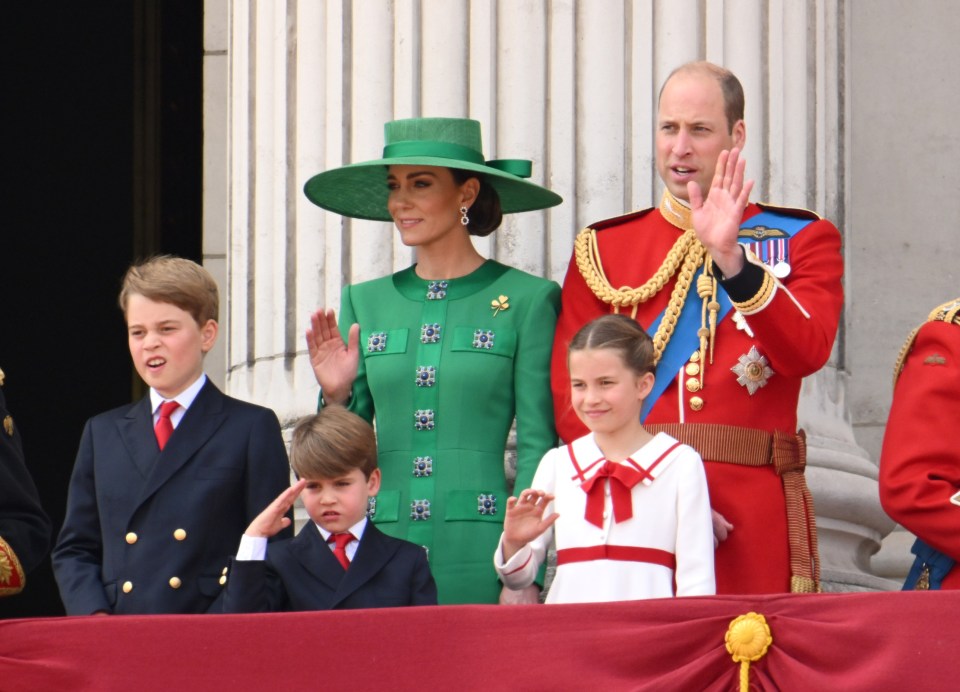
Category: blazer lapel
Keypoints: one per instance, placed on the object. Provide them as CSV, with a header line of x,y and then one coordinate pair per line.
x,y
136,431
198,424
372,554
309,548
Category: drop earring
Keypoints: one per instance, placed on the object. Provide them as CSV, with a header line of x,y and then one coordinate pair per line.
x,y
464,219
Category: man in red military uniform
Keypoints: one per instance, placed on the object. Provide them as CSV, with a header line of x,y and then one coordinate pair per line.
x,y
920,460
743,301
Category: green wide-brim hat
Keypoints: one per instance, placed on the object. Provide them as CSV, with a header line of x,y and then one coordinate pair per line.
x,y
359,190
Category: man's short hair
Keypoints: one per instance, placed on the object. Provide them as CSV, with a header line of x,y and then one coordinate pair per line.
x,y
332,443
733,99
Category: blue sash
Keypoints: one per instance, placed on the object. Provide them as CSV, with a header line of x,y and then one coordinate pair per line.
x,y
937,564
685,340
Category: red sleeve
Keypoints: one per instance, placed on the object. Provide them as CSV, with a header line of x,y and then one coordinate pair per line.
x,y
920,460
796,345
578,306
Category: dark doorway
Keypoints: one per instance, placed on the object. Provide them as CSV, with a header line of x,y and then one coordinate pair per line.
x,y
102,164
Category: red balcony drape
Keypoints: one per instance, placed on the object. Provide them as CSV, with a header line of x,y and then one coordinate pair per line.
x,y
881,641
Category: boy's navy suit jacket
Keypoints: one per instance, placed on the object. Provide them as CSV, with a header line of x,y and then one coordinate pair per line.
x,y
150,531
303,574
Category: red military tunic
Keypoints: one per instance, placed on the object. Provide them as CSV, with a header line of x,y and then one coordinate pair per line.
x,y
920,461
755,558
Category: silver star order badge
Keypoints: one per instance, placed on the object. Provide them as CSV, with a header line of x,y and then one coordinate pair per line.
x,y
753,371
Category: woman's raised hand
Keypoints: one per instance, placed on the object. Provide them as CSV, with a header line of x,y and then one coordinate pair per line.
x,y
334,362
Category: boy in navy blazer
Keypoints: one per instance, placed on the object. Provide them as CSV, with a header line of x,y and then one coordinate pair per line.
x,y
339,559
160,488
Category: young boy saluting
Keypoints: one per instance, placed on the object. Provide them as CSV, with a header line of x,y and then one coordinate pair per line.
x,y
340,560
161,488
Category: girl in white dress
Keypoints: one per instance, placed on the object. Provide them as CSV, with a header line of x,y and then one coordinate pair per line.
x,y
629,511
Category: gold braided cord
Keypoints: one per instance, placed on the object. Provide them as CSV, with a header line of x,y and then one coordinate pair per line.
x,y
669,322
758,301
683,260
588,262
707,290
902,356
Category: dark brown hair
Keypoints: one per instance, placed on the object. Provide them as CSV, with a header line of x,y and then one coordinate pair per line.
x,y
332,443
485,214
620,333
174,280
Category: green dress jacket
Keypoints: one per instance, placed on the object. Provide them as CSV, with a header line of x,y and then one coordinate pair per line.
x,y
445,367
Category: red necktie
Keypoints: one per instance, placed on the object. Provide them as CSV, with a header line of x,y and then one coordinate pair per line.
x,y
622,479
164,428
340,548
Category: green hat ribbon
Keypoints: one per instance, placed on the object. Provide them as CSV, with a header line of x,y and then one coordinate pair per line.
x,y
521,168
440,150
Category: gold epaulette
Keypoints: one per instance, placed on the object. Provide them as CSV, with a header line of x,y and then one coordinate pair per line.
x,y
948,312
790,211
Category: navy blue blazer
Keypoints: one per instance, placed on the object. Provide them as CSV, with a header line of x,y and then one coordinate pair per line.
x,y
303,574
153,532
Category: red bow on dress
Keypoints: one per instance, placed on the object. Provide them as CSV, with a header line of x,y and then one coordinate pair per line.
x,y
622,479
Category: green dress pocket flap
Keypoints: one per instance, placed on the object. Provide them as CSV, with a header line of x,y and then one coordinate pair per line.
x,y
476,505
495,341
380,342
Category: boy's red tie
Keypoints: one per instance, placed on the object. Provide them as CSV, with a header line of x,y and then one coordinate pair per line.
x,y
340,541
164,428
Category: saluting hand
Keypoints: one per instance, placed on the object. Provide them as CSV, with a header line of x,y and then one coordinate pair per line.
x,y
334,363
716,220
524,520
274,519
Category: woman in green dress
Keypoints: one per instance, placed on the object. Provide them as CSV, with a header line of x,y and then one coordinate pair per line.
x,y
446,354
